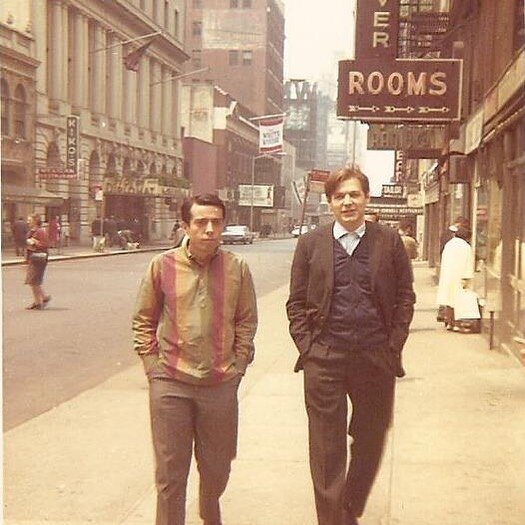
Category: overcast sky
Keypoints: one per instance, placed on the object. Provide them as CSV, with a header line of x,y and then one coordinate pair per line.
x,y
318,34
315,30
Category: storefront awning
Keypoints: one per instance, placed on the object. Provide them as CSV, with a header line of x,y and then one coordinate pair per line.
x,y
29,195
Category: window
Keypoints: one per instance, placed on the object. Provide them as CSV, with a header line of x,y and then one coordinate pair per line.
x,y
247,58
234,4
247,3
197,28
197,3
20,111
233,57
196,58
176,23
5,107
166,14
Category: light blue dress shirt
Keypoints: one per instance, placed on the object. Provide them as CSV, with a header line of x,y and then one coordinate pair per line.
x,y
348,240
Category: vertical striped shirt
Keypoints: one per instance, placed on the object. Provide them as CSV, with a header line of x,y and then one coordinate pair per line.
x,y
197,322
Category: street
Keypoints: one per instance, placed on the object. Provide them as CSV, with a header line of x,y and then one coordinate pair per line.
x,y
78,450
84,336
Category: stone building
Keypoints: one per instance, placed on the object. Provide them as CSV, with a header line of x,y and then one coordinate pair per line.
x,y
127,116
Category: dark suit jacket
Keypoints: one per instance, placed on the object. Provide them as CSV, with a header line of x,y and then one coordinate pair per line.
x,y
312,282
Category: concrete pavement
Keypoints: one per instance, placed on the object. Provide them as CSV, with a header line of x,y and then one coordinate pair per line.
x,y
455,456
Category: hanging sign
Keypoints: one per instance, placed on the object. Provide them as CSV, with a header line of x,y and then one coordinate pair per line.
x,y
403,90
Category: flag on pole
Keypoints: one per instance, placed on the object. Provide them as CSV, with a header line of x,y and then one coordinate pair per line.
x,y
271,135
132,60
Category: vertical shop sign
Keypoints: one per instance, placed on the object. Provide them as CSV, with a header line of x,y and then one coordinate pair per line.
x,y
72,143
377,28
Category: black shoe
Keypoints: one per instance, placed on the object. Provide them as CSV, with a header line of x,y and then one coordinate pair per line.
x,y
35,306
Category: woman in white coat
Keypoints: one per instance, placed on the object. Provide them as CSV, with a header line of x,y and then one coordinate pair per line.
x,y
456,272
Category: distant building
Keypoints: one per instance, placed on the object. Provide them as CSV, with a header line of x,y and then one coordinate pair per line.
x,y
242,44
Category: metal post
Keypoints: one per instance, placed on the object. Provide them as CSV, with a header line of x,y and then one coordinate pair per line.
x,y
306,191
251,197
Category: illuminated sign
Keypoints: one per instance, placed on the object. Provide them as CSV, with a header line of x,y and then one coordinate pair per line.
x,y
403,90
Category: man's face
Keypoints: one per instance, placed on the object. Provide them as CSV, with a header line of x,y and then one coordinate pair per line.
x,y
204,230
348,204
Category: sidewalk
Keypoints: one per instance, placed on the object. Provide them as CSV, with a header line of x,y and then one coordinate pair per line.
x,y
455,456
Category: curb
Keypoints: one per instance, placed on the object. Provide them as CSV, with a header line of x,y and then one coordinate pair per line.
x,y
87,255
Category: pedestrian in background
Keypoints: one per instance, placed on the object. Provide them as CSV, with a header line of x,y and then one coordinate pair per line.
x,y
37,251
194,324
459,222
350,306
53,232
372,216
456,273
410,244
20,229
177,234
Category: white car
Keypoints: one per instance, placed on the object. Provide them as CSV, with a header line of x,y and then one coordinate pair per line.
x,y
304,228
237,233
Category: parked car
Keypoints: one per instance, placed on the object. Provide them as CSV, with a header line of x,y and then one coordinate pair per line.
x,y
237,233
304,228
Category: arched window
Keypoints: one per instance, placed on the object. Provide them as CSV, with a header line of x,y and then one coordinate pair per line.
x,y
5,107
20,111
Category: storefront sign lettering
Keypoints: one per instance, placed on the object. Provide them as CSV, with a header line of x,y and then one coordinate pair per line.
x,y
399,91
377,27
72,142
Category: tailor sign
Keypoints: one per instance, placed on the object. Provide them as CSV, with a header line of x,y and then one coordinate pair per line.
x,y
402,90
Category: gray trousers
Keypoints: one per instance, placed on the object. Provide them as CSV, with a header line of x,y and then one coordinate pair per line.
x,y
331,377
183,417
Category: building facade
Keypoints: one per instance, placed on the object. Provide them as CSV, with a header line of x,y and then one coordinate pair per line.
x,y
241,43
18,95
126,160
481,172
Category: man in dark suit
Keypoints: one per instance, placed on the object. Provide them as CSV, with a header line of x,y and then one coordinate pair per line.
x,y
350,306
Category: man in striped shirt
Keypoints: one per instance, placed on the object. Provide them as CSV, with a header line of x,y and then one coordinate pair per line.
x,y
194,324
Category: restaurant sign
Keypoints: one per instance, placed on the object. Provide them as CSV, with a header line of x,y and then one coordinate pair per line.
x,y
403,90
146,187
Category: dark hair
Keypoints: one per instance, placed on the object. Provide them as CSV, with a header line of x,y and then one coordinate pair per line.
x,y
463,233
36,218
204,199
336,177
461,221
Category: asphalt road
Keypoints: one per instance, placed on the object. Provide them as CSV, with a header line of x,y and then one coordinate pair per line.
x,y
84,335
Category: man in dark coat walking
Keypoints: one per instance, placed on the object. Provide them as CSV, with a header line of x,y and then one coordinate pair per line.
x,y
350,306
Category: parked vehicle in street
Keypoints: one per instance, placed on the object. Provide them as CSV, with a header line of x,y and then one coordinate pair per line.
x,y
303,229
237,233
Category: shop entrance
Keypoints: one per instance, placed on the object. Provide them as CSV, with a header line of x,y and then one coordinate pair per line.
x,y
130,213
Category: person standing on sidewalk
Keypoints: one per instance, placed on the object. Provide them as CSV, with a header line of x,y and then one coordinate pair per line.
x,y
20,229
37,243
194,324
350,306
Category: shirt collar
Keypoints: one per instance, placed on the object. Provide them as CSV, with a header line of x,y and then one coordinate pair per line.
x,y
340,231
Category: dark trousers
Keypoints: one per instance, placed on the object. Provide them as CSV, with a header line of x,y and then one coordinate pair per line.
x,y
184,417
330,376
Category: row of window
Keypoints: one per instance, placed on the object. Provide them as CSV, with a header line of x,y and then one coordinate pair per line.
x,y
234,4
13,110
235,58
